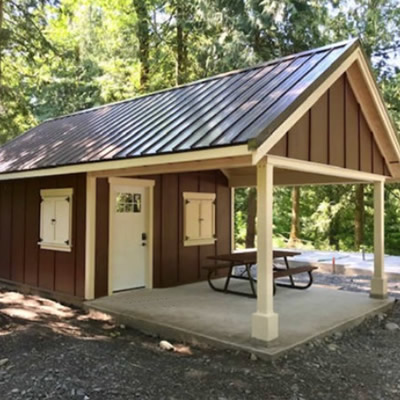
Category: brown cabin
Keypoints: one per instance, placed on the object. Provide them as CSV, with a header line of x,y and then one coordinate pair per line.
x,y
138,193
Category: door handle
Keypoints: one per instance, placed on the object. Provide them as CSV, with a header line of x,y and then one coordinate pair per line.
x,y
144,236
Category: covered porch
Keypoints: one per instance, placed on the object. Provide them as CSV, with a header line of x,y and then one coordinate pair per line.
x,y
280,170
269,324
195,314
336,135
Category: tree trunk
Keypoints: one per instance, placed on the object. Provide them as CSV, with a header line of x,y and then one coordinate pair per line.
x,y
143,35
251,219
295,224
1,46
181,47
332,237
359,217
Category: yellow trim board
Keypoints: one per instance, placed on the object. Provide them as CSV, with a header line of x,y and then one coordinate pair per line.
x,y
329,170
198,155
90,250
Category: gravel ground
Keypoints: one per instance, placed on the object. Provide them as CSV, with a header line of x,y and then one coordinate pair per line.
x,y
49,351
359,283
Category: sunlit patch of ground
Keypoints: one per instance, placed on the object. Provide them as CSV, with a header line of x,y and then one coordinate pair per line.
x,y
94,315
28,310
21,313
34,306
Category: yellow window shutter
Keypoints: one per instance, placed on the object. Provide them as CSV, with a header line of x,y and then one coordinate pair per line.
x,y
199,218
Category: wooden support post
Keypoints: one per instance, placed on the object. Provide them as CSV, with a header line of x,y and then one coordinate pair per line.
x,y
379,281
90,237
264,321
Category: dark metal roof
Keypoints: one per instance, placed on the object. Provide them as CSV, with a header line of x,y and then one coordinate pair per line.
x,y
235,108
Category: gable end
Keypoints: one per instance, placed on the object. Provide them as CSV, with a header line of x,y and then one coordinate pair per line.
x,y
334,131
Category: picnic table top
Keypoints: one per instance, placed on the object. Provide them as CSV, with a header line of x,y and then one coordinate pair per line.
x,y
251,256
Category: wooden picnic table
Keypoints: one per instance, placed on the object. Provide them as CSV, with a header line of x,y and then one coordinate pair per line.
x,y
251,256
248,259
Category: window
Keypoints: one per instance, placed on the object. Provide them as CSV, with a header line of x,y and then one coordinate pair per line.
x,y
199,218
56,219
128,203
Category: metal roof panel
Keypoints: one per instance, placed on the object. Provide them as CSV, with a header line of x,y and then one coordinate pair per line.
x,y
233,108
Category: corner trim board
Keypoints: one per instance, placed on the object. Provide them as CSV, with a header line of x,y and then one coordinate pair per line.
x,y
90,237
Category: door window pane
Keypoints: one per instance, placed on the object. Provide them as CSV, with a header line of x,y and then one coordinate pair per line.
x,y
124,202
137,203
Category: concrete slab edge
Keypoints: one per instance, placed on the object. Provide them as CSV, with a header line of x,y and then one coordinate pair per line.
x,y
168,332
173,333
350,323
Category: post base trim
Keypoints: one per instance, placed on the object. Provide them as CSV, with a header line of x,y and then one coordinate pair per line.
x,y
379,288
265,326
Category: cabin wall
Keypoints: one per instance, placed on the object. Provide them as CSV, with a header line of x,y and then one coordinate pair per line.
x,y
334,132
173,264
22,261
102,238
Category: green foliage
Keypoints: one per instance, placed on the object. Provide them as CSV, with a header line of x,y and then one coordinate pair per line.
x,y
88,52
327,217
59,56
240,217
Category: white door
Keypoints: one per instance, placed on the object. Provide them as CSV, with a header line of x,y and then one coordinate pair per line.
x,y
129,236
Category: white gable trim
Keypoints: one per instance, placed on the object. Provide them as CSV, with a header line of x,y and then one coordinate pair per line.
x,y
356,57
361,81
279,132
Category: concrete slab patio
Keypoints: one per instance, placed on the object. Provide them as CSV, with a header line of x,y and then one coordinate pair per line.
x,y
194,313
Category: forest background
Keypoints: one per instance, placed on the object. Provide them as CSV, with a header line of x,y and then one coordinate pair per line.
x,y
57,57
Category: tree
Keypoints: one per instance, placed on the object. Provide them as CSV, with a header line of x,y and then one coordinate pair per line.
x,y
2,37
359,217
295,224
143,35
376,23
181,14
251,218
59,56
22,44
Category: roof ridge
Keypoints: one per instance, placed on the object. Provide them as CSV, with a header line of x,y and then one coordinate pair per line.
x,y
207,79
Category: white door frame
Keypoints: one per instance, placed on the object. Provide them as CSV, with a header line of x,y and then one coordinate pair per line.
x,y
149,184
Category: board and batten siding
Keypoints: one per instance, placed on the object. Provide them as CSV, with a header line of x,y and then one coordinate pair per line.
x,y
334,132
173,263
22,261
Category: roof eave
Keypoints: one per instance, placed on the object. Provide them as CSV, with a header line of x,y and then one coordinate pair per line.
x,y
184,157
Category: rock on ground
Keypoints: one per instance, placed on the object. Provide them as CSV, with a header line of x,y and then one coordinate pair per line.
x,y
391,326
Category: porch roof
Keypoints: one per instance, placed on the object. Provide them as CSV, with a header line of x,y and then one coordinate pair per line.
x,y
236,108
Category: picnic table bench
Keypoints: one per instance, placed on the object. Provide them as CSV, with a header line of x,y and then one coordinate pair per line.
x,y
248,260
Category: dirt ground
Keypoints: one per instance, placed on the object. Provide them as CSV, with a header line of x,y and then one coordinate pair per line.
x,y
50,351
